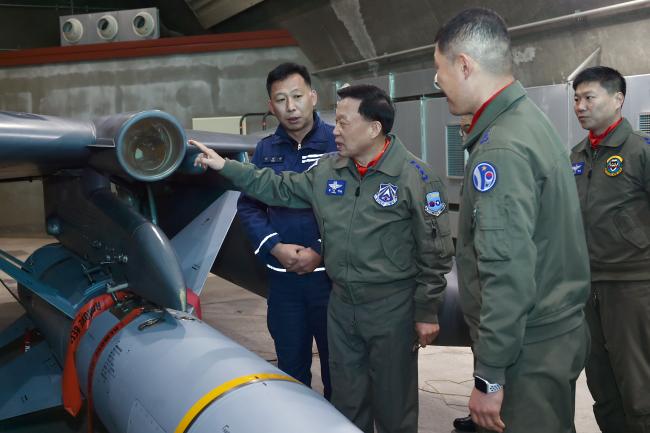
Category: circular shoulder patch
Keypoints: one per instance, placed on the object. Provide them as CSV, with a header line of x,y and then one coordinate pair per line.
x,y
614,165
484,176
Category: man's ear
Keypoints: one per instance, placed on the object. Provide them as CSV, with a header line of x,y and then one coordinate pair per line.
x,y
466,64
272,108
314,97
375,129
620,99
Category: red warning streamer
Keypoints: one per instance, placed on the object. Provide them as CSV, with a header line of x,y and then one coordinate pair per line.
x,y
98,351
83,319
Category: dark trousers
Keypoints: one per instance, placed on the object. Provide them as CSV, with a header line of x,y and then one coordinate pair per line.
x,y
539,394
374,368
618,368
296,317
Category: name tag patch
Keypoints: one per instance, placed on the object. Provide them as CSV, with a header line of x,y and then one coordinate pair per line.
x,y
335,187
484,176
387,195
277,159
435,206
578,168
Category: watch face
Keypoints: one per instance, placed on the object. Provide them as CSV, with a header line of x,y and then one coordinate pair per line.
x,y
485,386
481,384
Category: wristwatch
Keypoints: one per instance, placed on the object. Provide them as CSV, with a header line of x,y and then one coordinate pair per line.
x,y
486,387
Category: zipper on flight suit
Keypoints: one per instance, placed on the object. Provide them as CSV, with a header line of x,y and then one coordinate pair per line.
x,y
357,192
594,159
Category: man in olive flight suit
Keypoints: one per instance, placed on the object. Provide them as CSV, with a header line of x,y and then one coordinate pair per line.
x,y
387,245
521,253
612,171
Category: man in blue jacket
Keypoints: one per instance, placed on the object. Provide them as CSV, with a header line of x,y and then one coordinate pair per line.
x,y
287,240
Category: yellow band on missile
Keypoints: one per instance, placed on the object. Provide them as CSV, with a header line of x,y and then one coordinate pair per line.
x,y
222,389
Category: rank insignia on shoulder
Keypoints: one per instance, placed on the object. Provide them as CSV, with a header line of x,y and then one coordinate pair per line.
x,y
578,168
335,187
387,195
614,165
423,174
484,176
485,138
435,206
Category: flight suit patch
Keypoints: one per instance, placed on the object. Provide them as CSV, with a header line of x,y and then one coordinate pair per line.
x,y
484,176
647,140
614,165
578,168
335,187
435,206
387,195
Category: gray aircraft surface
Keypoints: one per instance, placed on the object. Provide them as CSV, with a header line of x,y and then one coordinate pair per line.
x,y
114,303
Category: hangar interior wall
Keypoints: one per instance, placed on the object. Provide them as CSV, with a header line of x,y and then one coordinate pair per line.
x,y
342,32
226,83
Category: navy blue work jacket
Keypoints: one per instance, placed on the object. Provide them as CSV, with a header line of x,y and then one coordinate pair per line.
x,y
268,225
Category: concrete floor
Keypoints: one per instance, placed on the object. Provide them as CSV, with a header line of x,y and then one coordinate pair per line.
x,y
445,372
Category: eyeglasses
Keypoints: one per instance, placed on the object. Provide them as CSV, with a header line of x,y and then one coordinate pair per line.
x,y
463,131
435,82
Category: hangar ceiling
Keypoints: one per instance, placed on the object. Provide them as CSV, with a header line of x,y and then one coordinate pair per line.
x,y
337,32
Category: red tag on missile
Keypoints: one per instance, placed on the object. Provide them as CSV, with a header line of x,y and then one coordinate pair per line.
x,y
81,323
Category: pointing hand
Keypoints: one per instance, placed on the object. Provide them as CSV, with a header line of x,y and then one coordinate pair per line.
x,y
207,157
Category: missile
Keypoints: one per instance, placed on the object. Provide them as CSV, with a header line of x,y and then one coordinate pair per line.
x,y
168,371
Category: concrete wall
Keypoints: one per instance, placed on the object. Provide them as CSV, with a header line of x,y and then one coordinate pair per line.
x,y
228,83
201,85
22,209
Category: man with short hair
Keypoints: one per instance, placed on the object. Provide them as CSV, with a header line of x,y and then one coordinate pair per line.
x,y
522,259
612,171
387,246
286,240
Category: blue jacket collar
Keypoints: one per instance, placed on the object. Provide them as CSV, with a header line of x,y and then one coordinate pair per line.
x,y
318,138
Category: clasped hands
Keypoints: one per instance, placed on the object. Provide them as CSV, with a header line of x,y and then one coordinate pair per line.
x,y
296,258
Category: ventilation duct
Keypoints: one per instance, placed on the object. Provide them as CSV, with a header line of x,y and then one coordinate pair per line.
x,y
116,26
644,122
455,152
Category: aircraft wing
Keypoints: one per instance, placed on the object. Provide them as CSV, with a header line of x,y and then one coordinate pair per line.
x,y
147,146
224,142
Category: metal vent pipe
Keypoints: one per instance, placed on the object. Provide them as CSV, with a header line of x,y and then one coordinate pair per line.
x,y
523,29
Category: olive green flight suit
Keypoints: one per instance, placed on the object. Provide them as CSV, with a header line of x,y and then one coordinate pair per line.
x,y
614,188
386,246
523,264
